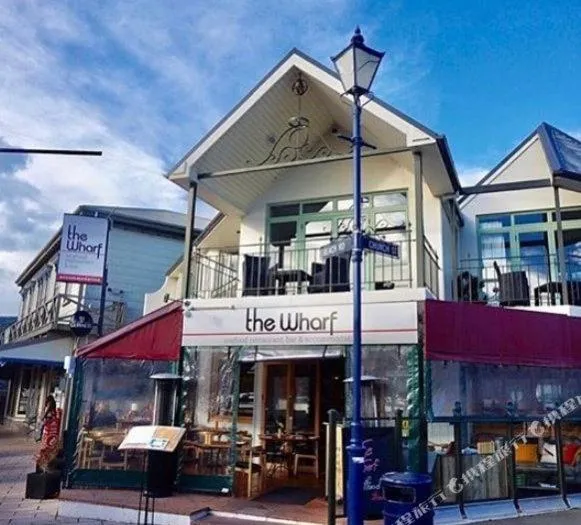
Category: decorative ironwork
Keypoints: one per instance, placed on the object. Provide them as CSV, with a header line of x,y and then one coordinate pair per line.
x,y
294,143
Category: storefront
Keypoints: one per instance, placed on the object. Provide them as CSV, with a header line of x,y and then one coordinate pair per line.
x,y
29,372
260,381
112,392
496,375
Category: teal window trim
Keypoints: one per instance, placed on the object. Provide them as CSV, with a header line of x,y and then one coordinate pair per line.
x,y
549,227
335,215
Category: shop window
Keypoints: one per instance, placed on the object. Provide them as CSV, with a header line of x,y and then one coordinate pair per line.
x,y
116,396
224,368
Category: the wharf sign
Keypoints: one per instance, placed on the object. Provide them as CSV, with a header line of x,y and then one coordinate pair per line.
x,y
83,249
387,323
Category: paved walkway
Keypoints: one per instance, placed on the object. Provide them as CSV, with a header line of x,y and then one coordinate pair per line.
x,y
16,460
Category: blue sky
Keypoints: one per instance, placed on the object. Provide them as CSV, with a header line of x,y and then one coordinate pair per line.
x,y
143,80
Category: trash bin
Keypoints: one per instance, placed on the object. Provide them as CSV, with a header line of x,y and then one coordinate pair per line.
x,y
404,492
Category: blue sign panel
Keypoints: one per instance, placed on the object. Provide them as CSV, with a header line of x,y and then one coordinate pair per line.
x,y
377,245
337,247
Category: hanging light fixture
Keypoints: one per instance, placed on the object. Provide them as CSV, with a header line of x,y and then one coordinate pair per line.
x,y
295,142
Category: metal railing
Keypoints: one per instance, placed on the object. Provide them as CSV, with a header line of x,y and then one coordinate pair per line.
x,y
55,314
431,269
267,269
518,281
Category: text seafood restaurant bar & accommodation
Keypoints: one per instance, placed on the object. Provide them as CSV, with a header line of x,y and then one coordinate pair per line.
x,y
463,292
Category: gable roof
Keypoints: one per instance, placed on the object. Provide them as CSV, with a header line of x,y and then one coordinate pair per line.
x,y
417,133
562,151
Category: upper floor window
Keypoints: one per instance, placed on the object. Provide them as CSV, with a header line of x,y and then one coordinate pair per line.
x,y
317,221
529,241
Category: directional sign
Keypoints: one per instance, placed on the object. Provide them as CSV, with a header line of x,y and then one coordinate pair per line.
x,y
377,245
337,247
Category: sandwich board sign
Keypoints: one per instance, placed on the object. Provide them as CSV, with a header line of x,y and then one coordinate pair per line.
x,y
153,437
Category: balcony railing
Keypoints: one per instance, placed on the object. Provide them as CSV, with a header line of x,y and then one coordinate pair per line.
x,y
278,270
518,281
56,313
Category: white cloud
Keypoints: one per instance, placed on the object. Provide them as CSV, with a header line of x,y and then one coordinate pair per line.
x,y
470,175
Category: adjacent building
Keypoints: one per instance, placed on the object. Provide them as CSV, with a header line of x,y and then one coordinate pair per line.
x,y
142,244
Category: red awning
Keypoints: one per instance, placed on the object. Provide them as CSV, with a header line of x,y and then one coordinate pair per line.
x,y
475,333
156,336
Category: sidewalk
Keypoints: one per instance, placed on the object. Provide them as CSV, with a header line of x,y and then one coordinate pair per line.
x,y
16,460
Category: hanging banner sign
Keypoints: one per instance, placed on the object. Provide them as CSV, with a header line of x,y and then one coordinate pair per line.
x,y
382,323
83,249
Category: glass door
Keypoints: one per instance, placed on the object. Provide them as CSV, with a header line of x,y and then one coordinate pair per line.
x,y
277,397
533,257
292,398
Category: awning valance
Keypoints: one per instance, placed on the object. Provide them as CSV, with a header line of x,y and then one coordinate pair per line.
x,y
475,333
49,352
154,337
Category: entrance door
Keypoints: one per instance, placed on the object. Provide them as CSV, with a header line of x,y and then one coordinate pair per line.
x,y
292,398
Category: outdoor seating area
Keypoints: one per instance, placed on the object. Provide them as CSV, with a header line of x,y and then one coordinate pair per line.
x,y
117,396
209,451
517,283
276,269
262,279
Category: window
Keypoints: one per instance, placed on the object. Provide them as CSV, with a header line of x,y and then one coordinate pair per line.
x,y
528,242
214,376
294,223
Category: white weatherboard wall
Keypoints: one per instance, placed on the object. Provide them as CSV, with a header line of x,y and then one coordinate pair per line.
x,y
336,179
528,164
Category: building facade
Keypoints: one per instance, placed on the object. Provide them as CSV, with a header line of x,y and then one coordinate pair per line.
x,y
142,244
267,305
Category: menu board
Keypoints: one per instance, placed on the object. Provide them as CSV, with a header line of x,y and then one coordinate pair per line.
x,y
378,459
160,438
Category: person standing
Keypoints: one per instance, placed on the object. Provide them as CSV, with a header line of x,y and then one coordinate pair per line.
x,y
49,446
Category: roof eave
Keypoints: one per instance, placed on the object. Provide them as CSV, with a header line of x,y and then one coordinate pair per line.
x,y
175,173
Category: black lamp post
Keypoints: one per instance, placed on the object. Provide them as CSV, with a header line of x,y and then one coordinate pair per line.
x,y
356,65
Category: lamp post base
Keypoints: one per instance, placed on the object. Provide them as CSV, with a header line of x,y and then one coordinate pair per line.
x,y
355,457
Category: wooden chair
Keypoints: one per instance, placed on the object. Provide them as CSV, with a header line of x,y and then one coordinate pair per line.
x,y
114,460
307,451
249,474
89,455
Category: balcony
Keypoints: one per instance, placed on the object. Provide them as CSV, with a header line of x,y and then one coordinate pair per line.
x,y
283,270
55,314
518,281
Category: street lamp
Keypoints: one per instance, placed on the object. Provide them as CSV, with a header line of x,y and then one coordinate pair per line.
x,y
356,65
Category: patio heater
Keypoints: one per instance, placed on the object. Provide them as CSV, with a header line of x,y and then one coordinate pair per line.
x,y
356,65
162,468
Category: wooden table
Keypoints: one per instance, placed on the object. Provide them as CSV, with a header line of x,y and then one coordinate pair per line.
x,y
287,442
